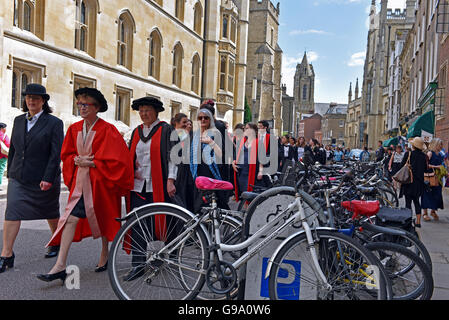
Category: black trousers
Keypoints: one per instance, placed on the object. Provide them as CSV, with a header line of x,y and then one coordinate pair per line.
x,y
415,200
145,232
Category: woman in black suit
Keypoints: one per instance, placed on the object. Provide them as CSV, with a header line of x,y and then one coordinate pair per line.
x,y
34,170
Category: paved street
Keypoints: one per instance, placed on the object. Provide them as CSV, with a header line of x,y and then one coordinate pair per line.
x,y
21,283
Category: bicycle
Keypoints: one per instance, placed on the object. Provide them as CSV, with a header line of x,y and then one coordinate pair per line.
x,y
187,257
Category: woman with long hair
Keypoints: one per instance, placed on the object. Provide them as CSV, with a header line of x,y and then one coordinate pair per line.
x,y
433,198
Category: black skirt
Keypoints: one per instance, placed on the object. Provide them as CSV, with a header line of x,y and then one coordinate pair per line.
x,y
28,202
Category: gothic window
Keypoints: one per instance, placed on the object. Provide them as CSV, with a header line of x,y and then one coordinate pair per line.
x,y
122,105
233,29
223,64
195,74
27,12
225,26
16,13
23,74
155,55
177,65
125,40
231,73
198,14
179,9
304,92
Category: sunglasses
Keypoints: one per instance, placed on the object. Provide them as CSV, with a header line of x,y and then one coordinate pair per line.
x,y
203,118
85,105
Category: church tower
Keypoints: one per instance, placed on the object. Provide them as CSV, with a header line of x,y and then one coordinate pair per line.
x,y
304,87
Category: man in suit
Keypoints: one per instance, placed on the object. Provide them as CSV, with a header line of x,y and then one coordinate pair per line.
x,y
34,170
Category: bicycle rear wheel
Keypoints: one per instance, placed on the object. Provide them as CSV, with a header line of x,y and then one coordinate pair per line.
x,y
174,273
359,276
416,283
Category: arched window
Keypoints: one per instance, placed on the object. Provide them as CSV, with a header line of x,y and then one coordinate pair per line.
x,y
231,73
223,70
177,65
196,74
27,12
225,26
125,40
304,92
14,90
198,15
233,29
179,9
28,15
85,25
155,55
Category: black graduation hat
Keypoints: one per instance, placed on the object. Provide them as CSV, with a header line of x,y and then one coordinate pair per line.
x,y
96,94
148,101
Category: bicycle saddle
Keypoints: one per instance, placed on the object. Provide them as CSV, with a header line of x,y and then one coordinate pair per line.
x,y
362,208
209,184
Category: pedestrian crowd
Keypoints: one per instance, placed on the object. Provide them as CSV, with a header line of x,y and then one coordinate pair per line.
x,y
99,168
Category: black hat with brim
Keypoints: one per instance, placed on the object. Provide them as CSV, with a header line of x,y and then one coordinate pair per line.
x,y
148,101
36,89
2,125
95,94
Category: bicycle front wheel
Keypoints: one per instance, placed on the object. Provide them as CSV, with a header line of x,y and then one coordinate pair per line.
x,y
149,260
414,284
350,269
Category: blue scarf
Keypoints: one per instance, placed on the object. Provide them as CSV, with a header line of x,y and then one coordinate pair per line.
x,y
209,155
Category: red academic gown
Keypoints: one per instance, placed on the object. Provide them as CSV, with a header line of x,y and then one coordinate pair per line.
x,y
102,187
253,166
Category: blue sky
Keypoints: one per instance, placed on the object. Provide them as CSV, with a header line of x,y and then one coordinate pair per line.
x,y
334,33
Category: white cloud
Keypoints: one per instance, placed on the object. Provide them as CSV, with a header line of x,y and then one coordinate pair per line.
x,y
310,31
357,59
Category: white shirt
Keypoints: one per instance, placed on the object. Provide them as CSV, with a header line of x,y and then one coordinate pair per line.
x,y
286,150
32,122
142,172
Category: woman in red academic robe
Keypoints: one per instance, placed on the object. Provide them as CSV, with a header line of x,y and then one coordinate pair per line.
x,y
248,172
97,169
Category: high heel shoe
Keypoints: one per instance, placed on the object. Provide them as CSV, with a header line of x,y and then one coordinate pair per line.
x,y
6,263
102,269
51,277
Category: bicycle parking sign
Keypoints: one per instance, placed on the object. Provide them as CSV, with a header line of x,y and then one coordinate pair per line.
x,y
289,283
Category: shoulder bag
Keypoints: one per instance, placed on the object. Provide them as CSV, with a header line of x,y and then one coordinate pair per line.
x,y
405,174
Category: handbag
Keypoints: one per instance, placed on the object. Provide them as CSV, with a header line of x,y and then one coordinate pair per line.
x,y
405,174
4,148
432,178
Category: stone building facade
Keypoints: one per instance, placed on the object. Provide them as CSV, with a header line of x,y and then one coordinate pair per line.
x,y
442,102
289,125
384,25
181,51
263,78
333,125
352,125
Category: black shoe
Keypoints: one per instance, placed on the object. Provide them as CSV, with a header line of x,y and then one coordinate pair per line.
x,y
6,263
102,269
52,252
135,273
51,277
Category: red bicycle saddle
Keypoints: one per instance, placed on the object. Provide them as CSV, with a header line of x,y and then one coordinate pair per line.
x,y
362,208
209,184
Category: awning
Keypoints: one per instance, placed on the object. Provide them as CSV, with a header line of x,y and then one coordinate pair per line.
x,y
426,122
391,142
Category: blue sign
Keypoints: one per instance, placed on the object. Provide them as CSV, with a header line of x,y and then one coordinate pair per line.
x,y
289,281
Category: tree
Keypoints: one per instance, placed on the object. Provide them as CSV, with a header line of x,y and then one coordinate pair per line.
x,y
248,117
